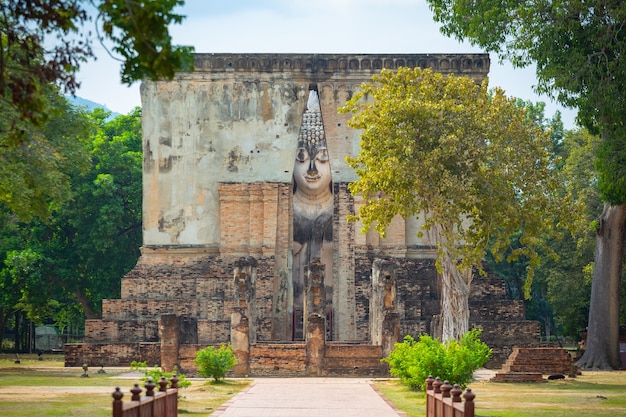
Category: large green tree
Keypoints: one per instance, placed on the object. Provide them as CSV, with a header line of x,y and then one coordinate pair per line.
x,y
37,172
471,161
53,268
536,299
93,239
579,49
42,46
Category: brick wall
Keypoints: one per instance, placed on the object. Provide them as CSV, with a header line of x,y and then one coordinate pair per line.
x,y
278,359
204,292
354,359
108,354
122,331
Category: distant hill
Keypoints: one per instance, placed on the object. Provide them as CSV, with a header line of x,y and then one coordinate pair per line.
x,y
90,105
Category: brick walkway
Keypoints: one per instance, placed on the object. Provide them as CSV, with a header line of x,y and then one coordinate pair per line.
x,y
308,397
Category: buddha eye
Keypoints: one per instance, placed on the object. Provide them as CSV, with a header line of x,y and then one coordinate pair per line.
x,y
302,155
322,155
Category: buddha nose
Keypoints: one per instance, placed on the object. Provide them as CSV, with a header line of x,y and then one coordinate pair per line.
x,y
312,168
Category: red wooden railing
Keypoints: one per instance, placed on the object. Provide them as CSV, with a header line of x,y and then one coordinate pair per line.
x,y
163,403
444,400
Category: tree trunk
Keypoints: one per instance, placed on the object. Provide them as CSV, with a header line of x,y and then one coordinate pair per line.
x,y
83,300
4,316
18,329
602,345
454,300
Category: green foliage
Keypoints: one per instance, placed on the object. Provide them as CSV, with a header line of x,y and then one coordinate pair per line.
x,y
34,170
215,362
472,160
579,48
44,44
89,240
25,270
455,361
139,31
155,373
610,164
560,294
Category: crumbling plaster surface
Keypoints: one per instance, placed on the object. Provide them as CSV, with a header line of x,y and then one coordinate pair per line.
x,y
236,119
199,133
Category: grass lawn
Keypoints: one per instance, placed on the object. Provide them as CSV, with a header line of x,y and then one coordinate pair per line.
x,y
591,394
46,388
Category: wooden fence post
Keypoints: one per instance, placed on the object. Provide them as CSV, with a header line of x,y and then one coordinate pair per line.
x,y
118,405
162,384
430,399
136,391
150,388
445,389
172,399
469,403
456,392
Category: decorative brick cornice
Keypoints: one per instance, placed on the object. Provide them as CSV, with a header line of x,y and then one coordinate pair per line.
x,y
340,63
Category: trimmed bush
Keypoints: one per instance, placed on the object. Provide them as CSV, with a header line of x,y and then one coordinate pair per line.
x,y
413,361
215,362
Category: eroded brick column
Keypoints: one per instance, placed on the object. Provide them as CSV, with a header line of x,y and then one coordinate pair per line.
x,y
240,341
315,290
245,291
315,344
244,313
344,303
315,313
281,315
170,341
384,319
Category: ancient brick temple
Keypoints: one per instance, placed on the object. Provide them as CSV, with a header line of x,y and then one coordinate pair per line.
x,y
245,237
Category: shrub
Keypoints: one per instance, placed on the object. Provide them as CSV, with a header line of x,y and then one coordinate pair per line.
x,y
215,362
155,373
413,361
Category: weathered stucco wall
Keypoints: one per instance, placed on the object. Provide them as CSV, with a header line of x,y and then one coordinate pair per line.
x,y
236,118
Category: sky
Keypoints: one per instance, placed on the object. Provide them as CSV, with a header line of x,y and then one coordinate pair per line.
x,y
307,26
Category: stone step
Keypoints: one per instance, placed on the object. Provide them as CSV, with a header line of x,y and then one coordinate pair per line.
x,y
539,359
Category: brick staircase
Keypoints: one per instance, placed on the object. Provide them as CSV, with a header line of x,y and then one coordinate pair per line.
x,y
531,363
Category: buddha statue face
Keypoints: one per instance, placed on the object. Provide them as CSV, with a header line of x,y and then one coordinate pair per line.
x,y
312,170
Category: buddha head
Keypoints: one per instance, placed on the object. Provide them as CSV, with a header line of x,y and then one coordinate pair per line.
x,y
312,170
312,175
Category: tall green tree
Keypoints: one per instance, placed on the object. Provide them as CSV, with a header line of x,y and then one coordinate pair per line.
x,y
94,238
569,278
555,300
579,49
74,258
471,161
35,180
